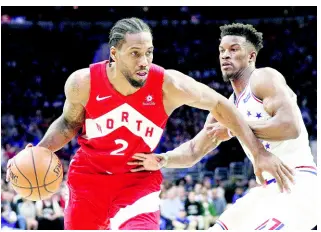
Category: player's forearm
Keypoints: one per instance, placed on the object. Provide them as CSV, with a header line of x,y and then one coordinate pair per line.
x,y
188,154
59,134
275,129
229,116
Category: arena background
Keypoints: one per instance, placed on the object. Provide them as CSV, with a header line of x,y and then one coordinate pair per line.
x,y
42,46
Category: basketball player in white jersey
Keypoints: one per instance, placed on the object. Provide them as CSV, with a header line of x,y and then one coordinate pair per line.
x,y
269,105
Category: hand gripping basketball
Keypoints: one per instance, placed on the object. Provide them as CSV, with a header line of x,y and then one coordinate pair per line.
x,y
35,173
9,163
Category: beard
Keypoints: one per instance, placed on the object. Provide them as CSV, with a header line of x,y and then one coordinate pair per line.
x,y
131,80
233,76
228,77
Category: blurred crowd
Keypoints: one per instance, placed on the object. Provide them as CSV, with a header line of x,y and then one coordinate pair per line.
x,y
37,60
191,205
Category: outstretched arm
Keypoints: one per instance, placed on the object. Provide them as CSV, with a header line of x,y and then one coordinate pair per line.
x,y
189,153
182,89
185,155
280,103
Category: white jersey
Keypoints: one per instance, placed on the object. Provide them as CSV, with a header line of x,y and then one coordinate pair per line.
x,y
294,153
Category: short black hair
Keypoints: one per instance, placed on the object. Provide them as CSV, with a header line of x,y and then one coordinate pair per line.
x,y
245,30
123,26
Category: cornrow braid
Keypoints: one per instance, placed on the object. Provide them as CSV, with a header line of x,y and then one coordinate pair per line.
x,y
245,30
123,26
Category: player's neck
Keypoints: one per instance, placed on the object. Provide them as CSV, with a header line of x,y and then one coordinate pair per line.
x,y
241,82
119,82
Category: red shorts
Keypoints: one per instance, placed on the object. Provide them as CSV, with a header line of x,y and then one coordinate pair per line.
x,y
128,201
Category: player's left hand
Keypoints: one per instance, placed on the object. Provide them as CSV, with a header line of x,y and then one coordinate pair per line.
x,y
147,162
217,131
270,163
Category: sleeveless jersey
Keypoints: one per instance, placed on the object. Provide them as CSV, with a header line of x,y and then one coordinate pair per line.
x,y
117,126
294,152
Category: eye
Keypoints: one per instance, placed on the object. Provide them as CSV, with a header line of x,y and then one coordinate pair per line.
x,y
135,53
149,53
234,49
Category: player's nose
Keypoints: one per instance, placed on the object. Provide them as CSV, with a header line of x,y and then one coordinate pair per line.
x,y
143,61
226,54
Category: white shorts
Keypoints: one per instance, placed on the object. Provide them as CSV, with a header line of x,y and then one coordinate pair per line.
x,y
269,209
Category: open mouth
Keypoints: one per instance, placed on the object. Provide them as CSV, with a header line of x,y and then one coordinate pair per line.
x,y
142,74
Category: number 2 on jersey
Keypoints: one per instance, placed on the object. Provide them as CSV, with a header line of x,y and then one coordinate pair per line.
x,y
119,150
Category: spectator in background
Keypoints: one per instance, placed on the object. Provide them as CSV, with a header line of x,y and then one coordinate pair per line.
x,y
170,207
27,209
183,223
189,183
50,214
239,192
181,192
8,217
194,210
209,213
220,189
198,191
218,201
207,183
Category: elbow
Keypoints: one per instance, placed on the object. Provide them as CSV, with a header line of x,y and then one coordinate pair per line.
x,y
196,155
296,131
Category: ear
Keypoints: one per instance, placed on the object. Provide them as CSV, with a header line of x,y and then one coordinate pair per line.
x,y
113,52
252,56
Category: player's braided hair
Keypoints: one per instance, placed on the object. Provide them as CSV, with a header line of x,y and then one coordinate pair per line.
x,y
245,30
123,26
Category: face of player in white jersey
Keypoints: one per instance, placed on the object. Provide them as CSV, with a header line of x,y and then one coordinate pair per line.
x,y
236,55
134,57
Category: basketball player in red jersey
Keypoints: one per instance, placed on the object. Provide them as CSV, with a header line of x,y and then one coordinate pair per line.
x,y
122,108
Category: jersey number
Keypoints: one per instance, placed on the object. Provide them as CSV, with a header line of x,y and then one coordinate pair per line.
x,y
119,151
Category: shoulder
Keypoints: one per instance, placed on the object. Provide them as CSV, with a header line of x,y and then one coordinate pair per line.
x,y
157,68
77,86
266,79
263,76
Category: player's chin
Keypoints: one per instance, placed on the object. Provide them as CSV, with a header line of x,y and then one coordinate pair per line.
x,y
138,82
141,77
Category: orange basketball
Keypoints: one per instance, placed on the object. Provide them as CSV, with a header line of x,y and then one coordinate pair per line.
x,y
36,173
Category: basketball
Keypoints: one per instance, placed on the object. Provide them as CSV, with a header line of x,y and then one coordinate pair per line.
x,y
36,173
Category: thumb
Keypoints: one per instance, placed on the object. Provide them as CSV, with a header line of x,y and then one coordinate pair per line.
x,y
261,179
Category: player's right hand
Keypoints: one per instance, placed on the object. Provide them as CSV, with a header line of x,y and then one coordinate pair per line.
x,y
266,161
9,163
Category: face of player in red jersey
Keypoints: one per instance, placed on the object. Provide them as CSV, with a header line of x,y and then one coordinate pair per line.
x,y
134,57
236,54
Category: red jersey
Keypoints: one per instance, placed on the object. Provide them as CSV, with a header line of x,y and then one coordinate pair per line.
x,y
117,126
